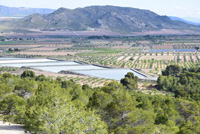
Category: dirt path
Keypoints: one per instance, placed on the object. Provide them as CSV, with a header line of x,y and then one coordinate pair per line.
x,y
127,58
194,58
120,58
182,58
6,128
188,58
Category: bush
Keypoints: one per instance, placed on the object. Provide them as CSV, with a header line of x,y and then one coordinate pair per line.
x,y
131,59
7,75
28,73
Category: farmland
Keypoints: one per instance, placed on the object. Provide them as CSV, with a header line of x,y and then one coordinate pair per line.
x,y
147,54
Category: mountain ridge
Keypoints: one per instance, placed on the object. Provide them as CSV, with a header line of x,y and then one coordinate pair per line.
x,y
183,20
113,18
22,11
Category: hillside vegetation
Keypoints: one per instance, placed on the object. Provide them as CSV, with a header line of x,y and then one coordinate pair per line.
x,y
44,105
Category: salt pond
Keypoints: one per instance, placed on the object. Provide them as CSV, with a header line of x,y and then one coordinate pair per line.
x,y
174,50
57,69
115,74
184,50
2,58
57,66
159,50
42,64
25,61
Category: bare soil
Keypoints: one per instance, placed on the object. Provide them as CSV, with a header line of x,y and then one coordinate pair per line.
x,y
9,128
127,58
46,53
166,57
120,58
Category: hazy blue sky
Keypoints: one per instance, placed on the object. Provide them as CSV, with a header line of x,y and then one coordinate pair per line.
x,y
180,8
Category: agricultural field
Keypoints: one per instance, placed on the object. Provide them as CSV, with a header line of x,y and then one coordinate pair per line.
x,y
147,54
44,53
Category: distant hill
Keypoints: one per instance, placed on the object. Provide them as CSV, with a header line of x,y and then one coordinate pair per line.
x,y
117,19
22,11
186,20
192,19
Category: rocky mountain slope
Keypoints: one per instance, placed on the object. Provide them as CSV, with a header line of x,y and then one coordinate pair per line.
x,y
117,19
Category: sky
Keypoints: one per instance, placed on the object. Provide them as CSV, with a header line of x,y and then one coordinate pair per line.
x,y
179,8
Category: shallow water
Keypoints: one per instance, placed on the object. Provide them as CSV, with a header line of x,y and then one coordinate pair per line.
x,y
25,61
159,50
184,50
116,74
41,64
57,66
57,69
2,58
